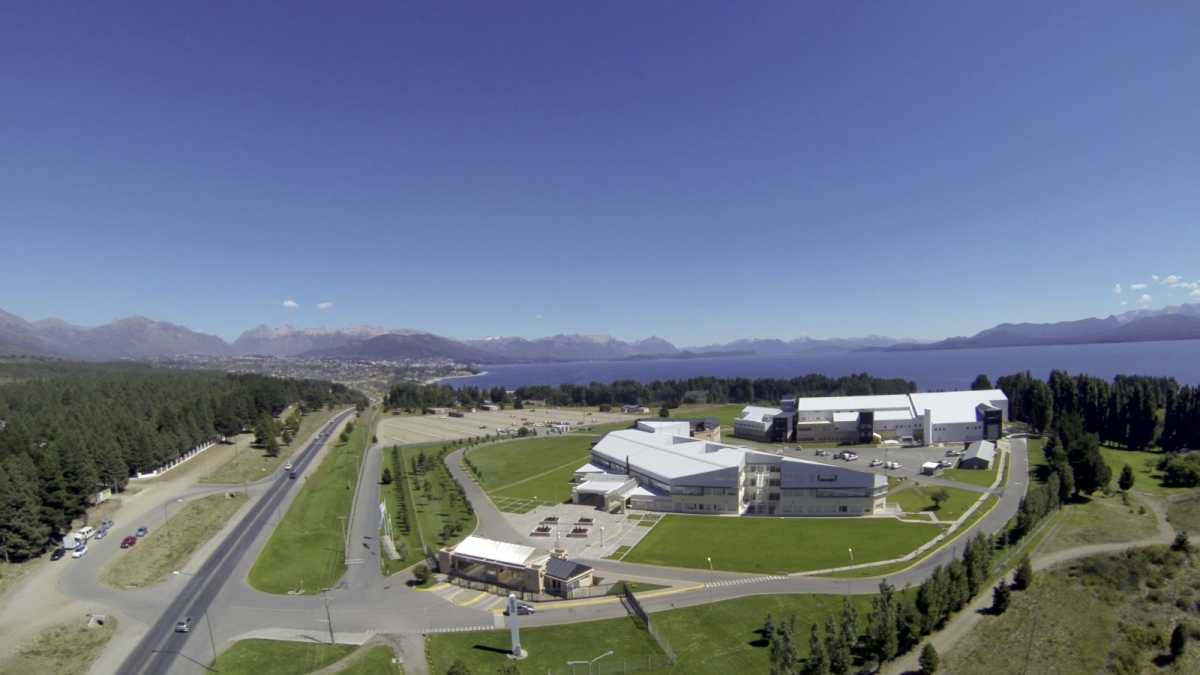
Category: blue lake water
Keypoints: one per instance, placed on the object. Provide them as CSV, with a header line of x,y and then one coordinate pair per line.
x,y
931,370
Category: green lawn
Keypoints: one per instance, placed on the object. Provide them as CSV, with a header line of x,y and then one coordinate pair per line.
x,y
1147,478
549,647
722,637
402,511
306,552
1185,515
916,498
726,413
1036,450
980,477
376,661
535,469
440,506
775,545
963,530
278,657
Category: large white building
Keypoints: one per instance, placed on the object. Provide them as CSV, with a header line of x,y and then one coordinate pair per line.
x,y
938,417
657,468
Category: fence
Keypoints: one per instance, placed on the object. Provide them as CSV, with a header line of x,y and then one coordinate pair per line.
x,y
490,587
176,461
634,606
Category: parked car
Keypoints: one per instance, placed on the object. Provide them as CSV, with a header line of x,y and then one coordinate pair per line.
x,y
85,533
893,465
849,456
953,453
821,453
877,462
522,609
79,552
293,474
287,467
946,464
184,625
58,553
142,531
128,541
100,534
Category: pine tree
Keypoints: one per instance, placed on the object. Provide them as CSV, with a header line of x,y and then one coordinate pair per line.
x,y
1125,482
1178,641
818,660
929,659
883,627
1023,578
1001,595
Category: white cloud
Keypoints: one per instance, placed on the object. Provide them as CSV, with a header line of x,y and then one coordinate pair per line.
x,y
1138,287
324,305
1117,289
1195,293
290,304
1124,302
1154,278
1145,299
1171,280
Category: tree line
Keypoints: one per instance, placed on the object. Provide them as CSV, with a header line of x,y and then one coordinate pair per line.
x,y
63,438
413,396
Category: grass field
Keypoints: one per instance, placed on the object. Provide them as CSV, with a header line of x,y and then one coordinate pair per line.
x,y
65,649
725,412
252,463
964,530
430,511
375,661
171,546
774,545
549,647
1101,614
1100,520
1185,515
916,498
980,477
306,552
1146,476
521,474
278,657
1036,451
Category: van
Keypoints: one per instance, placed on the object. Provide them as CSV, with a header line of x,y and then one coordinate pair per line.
x,y
85,533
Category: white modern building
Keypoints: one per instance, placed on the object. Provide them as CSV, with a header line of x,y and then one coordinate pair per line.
x,y
656,468
937,417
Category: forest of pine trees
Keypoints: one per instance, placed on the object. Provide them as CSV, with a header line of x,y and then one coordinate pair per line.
x,y
411,396
64,437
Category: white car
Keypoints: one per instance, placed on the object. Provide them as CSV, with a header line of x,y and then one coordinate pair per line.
x,y
877,462
849,456
893,465
79,552
287,467
953,453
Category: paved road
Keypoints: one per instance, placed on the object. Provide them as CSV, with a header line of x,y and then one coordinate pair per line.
x,y
367,603
160,646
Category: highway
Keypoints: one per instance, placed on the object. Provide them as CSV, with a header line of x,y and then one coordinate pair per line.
x,y
159,648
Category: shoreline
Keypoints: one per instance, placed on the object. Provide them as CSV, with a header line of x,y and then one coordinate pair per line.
x,y
439,380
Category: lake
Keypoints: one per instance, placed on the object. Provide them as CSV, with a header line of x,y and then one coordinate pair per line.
x,y
931,370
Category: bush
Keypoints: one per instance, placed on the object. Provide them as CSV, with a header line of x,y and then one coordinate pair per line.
x,y
386,477
1023,579
422,574
1000,597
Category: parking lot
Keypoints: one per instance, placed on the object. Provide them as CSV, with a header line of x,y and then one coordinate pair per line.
x,y
910,459
401,429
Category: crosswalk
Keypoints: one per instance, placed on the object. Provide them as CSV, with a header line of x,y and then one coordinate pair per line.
x,y
737,582
460,629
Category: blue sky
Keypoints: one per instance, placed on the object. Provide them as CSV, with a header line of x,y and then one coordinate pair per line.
x,y
698,171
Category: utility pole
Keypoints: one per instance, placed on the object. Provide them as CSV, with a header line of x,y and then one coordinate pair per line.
x,y
212,642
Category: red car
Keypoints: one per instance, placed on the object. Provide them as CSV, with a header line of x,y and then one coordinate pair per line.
x,y
128,541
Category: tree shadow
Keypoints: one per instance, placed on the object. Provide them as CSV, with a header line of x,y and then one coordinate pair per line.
x,y
1163,660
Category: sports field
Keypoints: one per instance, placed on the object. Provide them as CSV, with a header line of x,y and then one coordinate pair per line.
x,y
777,545
520,474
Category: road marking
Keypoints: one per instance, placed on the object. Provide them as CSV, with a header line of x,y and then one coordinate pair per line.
x,y
459,629
471,601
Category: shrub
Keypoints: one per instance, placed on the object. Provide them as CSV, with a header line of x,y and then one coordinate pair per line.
x,y
929,659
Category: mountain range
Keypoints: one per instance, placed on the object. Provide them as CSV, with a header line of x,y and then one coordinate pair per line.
x,y
1175,322
141,338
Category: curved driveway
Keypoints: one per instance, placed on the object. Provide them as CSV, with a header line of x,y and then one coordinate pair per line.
x,y
366,602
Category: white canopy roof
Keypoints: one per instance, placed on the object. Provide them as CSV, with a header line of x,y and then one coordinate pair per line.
x,y
496,551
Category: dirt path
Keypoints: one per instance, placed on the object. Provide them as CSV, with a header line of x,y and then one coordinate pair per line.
x,y
971,615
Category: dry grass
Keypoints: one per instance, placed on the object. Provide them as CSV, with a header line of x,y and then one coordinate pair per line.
x,y
1101,520
168,548
64,649
251,464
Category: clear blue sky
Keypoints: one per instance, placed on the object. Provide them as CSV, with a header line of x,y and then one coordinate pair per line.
x,y
697,171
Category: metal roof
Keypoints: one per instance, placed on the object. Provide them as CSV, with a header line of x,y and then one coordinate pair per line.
x,y
563,569
853,403
664,456
985,450
491,550
956,406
